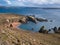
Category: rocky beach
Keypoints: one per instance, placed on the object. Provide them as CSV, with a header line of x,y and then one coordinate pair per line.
x,y
11,35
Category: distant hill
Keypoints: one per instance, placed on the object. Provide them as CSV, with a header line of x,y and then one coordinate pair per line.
x,y
30,7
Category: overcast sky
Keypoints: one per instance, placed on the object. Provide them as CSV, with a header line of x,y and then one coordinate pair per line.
x,y
30,3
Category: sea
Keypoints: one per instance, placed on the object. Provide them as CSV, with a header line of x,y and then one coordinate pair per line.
x,y
50,14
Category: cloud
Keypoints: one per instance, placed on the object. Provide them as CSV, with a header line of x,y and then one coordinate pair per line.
x,y
17,3
8,1
19,0
31,2
44,1
0,4
56,1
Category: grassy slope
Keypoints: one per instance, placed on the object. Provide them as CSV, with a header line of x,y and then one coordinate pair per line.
x,y
13,36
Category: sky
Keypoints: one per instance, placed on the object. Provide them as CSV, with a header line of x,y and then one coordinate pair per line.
x,y
31,3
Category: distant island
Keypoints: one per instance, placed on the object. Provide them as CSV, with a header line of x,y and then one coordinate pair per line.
x,y
30,7
51,8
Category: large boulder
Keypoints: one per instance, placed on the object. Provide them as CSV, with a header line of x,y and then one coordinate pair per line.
x,y
42,30
41,20
56,30
59,29
23,20
32,19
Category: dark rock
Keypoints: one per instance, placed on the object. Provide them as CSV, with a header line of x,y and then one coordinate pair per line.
x,y
11,25
41,19
32,19
49,29
42,30
45,31
55,29
59,29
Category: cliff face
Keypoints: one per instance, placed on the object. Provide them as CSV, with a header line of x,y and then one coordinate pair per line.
x,y
14,36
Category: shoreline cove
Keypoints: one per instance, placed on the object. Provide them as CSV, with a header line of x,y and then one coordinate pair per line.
x,y
15,22
10,35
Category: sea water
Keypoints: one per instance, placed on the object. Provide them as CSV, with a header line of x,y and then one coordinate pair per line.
x,y
50,14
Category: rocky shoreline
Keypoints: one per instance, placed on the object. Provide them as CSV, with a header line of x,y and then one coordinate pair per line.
x,y
45,31
16,21
35,20
20,19
10,35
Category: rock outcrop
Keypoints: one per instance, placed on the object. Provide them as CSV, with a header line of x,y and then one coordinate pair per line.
x,y
35,20
42,30
32,19
56,30
42,20
23,20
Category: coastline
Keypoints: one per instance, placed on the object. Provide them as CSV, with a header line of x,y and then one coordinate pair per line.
x,y
14,36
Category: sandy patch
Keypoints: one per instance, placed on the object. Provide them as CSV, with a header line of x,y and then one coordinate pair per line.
x,y
15,24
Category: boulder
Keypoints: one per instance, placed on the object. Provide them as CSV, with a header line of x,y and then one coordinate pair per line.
x,y
56,30
59,29
42,30
23,20
11,25
32,19
41,19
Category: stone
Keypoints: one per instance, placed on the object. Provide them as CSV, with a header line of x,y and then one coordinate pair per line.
x,y
32,19
41,20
